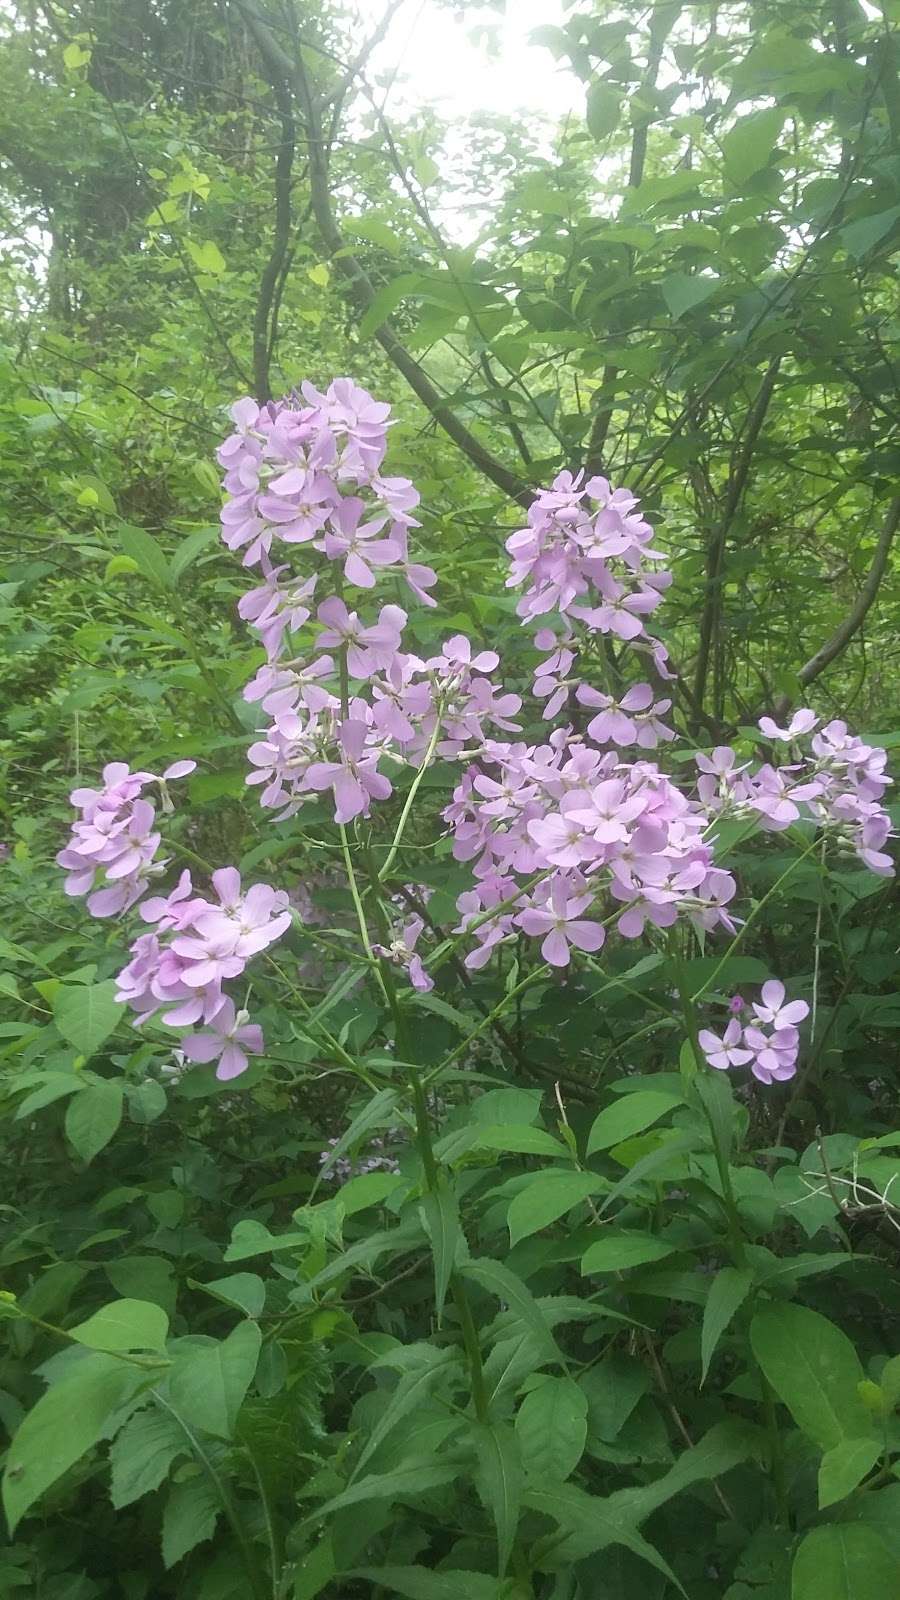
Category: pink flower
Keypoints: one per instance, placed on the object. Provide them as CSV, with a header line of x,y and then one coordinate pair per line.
x,y
230,1037
773,1009
801,722
727,1051
562,925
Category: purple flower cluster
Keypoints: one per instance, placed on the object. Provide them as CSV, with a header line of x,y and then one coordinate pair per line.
x,y
116,837
837,783
198,945
768,1043
310,474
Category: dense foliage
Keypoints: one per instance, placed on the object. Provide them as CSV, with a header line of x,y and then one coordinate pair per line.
x,y
448,1057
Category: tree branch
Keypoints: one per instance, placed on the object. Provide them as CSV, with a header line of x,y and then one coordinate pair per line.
x,y
857,614
715,555
264,315
359,284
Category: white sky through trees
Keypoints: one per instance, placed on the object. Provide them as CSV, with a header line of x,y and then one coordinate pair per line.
x,y
478,61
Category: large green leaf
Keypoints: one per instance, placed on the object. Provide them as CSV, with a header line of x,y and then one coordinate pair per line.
x,y
87,1013
124,1325
63,1426
421,1583
844,1466
549,1196
630,1115
498,1280
142,1454
207,1385
615,1250
727,1292
814,1370
499,1482
749,144
93,1116
551,1427
844,1562
192,1510
412,1390
441,1213
407,1482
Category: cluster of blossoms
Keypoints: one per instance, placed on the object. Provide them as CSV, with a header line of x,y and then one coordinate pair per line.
x,y
837,783
115,841
307,471
198,944
566,837
768,1043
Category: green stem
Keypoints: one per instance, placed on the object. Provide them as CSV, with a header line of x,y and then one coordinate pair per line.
x,y
776,1451
410,798
754,914
458,1291
360,910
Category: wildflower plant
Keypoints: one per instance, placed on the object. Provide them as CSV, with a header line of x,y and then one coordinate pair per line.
x,y
512,828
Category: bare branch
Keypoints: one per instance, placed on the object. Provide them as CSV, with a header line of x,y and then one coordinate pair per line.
x,y
858,612
268,283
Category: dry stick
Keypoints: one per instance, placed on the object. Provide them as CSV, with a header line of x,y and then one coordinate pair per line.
x,y
680,1424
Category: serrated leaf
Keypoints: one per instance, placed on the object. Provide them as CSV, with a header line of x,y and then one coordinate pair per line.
x,y
124,1325
604,109
441,1213
141,1455
207,1385
417,1477
64,1424
86,1014
192,1510
499,1479
551,1427
499,1281
727,1292
411,1390
92,1118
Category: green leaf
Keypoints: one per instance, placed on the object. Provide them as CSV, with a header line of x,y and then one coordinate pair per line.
x,y
860,237
844,1562
505,1106
441,1213
604,108
843,1467
749,144
417,1477
412,1389
589,1524
208,257
628,1116
551,1427
242,1289
814,1370
86,1014
727,1292
192,1510
421,1583
207,1385
518,1138
373,1115
124,1325
498,1480
672,1148
146,554
375,230
549,1196
190,548
252,1238
614,1252
498,1280
683,291
64,1424
387,300
141,1455
92,1118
